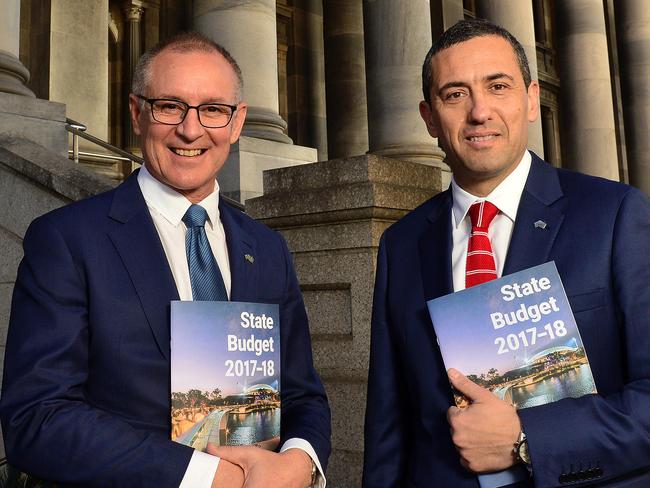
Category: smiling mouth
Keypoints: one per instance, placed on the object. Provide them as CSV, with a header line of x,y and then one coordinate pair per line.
x,y
481,138
188,152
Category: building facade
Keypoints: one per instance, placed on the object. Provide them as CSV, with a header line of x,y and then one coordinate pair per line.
x,y
335,83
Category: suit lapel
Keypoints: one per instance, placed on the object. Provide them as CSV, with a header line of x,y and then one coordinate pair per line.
x,y
241,253
139,246
435,251
539,218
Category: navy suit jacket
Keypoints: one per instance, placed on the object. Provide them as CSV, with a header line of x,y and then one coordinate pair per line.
x,y
598,234
86,389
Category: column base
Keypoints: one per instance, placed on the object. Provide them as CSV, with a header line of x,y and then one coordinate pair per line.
x,y
34,119
428,154
13,75
241,177
264,124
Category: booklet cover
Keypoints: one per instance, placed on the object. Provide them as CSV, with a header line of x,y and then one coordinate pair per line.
x,y
225,373
515,336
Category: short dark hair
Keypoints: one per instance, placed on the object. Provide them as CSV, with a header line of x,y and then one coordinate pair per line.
x,y
465,30
183,42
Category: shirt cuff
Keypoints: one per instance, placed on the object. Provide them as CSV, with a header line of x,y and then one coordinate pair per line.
x,y
298,443
200,471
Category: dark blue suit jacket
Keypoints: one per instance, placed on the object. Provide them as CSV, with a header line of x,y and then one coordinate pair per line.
x,y
86,390
598,234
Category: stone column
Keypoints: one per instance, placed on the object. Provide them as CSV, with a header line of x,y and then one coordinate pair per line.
x,y
345,78
444,14
588,135
517,17
13,75
633,27
79,63
397,38
306,77
133,16
248,31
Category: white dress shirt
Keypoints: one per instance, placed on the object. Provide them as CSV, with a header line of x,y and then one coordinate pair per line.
x,y
167,208
506,197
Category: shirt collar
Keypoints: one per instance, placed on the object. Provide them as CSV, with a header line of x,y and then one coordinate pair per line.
x,y
171,204
505,196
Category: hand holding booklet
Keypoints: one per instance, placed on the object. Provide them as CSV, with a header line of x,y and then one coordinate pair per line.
x,y
225,374
515,336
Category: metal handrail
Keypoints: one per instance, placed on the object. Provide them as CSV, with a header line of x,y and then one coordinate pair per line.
x,y
79,130
99,155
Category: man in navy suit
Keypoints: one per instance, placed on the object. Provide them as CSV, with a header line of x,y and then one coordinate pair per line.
x,y
479,100
86,391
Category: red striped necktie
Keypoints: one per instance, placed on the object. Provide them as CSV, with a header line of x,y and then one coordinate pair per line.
x,y
480,265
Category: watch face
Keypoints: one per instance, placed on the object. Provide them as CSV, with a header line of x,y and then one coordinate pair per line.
x,y
522,451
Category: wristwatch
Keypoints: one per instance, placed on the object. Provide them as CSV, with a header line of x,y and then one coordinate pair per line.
x,y
314,474
521,450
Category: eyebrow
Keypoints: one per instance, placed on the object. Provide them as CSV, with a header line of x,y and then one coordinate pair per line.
x,y
166,96
457,84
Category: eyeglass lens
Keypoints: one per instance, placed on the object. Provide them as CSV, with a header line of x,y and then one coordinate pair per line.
x,y
173,112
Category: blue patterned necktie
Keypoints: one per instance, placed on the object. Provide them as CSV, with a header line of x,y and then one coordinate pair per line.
x,y
207,283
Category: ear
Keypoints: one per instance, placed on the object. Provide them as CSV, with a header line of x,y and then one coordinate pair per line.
x,y
135,110
533,101
237,122
427,115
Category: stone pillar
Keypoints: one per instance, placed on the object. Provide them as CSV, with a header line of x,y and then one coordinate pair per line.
x,y
133,16
79,63
306,77
588,135
517,17
397,38
345,78
444,14
633,27
13,75
248,31
332,214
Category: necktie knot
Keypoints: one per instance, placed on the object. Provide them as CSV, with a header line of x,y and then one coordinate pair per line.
x,y
482,214
195,216
480,266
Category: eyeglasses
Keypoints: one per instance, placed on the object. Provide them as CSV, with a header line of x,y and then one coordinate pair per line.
x,y
173,112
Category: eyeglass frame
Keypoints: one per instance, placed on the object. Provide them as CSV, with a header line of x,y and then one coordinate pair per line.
x,y
151,101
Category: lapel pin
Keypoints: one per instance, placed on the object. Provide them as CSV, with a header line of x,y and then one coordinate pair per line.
x,y
540,224
249,258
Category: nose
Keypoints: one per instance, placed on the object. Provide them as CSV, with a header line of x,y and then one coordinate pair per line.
x,y
190,129
480,110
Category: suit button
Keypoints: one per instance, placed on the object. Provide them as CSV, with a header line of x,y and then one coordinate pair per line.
x,y
565,478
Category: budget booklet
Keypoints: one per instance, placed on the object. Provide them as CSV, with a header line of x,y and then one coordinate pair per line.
x,y
225,373
515,336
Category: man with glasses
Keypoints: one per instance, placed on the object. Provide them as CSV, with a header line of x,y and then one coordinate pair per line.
x,y
86,393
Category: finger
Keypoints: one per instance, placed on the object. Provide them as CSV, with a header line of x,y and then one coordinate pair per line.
x,y
467,387
452,412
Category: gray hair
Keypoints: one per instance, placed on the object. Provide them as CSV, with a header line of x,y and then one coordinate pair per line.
x,y
465,30
184,42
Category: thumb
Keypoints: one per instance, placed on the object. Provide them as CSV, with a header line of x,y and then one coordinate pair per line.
x,y
471,390
233,454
